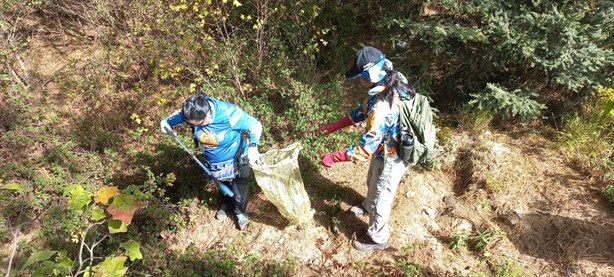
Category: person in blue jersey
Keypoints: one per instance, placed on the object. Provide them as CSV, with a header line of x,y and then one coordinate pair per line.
x,y
378,143
229,138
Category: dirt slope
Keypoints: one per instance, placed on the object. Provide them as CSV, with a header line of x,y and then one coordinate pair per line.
x,y
539,212
546,217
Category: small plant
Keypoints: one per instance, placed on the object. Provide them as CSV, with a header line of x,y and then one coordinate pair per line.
x,y
494,183
408,269
484,207
459,241
483,238
119,207
507,269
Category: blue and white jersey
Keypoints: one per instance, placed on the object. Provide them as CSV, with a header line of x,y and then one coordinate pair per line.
x,y
382,129
220,139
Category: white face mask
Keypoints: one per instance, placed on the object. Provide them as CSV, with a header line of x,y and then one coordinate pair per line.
x,y
375,73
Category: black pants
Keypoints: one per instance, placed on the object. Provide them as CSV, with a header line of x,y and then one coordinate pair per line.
x,y
238,185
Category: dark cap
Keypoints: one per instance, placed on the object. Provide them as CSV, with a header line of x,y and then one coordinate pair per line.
x,y
363,60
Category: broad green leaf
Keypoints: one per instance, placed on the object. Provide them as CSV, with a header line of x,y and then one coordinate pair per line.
x,y
123,207
79,198
117,226
112,267
70,188
97,214
44,269
64,265
13,186
39,256
105,193
132,250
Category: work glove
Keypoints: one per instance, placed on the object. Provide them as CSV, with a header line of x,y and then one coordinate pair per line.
x,y
331,158
252,153
163,125
326,129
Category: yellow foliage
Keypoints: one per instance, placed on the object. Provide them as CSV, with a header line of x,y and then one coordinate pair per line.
x,y
248,87
135,118
161,101
176,8
606,94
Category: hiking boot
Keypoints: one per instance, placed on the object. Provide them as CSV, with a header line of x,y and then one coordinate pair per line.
x,y
358,210
242,220
369,245
221,213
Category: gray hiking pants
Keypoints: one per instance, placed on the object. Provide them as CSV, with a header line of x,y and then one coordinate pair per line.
x,y
383,179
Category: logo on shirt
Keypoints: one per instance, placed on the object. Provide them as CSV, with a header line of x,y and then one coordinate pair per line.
x,y
208,139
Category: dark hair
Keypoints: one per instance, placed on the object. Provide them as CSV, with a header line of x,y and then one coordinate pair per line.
x,y
195,107
395,83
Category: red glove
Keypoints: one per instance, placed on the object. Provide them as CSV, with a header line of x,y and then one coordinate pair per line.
x,y
331,127
338,156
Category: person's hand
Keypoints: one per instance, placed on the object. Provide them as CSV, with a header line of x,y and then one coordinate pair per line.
x,y
164,126
331,158
252,153
326,129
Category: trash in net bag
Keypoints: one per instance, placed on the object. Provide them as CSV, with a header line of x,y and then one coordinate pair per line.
x,y
279,176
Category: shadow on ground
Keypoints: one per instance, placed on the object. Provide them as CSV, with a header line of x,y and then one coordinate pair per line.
x,y
326,198
557,238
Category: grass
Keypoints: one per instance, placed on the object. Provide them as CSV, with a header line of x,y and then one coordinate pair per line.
x,y
483,239
586,142
474,120
507,268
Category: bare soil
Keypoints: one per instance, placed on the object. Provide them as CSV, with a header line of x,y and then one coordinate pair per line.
x,y
548,218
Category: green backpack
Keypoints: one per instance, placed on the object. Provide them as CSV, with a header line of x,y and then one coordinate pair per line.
x,y
417,138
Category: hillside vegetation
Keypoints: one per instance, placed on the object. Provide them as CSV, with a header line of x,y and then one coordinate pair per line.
x,y
521,183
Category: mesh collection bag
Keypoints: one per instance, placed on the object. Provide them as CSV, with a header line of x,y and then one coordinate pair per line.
x,y
278,175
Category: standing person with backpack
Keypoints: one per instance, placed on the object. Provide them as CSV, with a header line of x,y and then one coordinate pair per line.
x,y
221,129
379,142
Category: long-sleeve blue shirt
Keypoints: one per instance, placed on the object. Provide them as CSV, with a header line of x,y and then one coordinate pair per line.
x,y
220,139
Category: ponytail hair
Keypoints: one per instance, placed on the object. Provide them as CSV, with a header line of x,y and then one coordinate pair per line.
x,y
395,83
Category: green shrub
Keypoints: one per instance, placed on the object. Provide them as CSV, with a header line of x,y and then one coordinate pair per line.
x,y
557,49
498,101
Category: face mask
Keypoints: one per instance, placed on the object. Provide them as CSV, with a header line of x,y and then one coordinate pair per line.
x,y
374,73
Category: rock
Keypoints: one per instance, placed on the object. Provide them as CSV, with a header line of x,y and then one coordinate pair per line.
x,y
430,212
463,226
498,149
